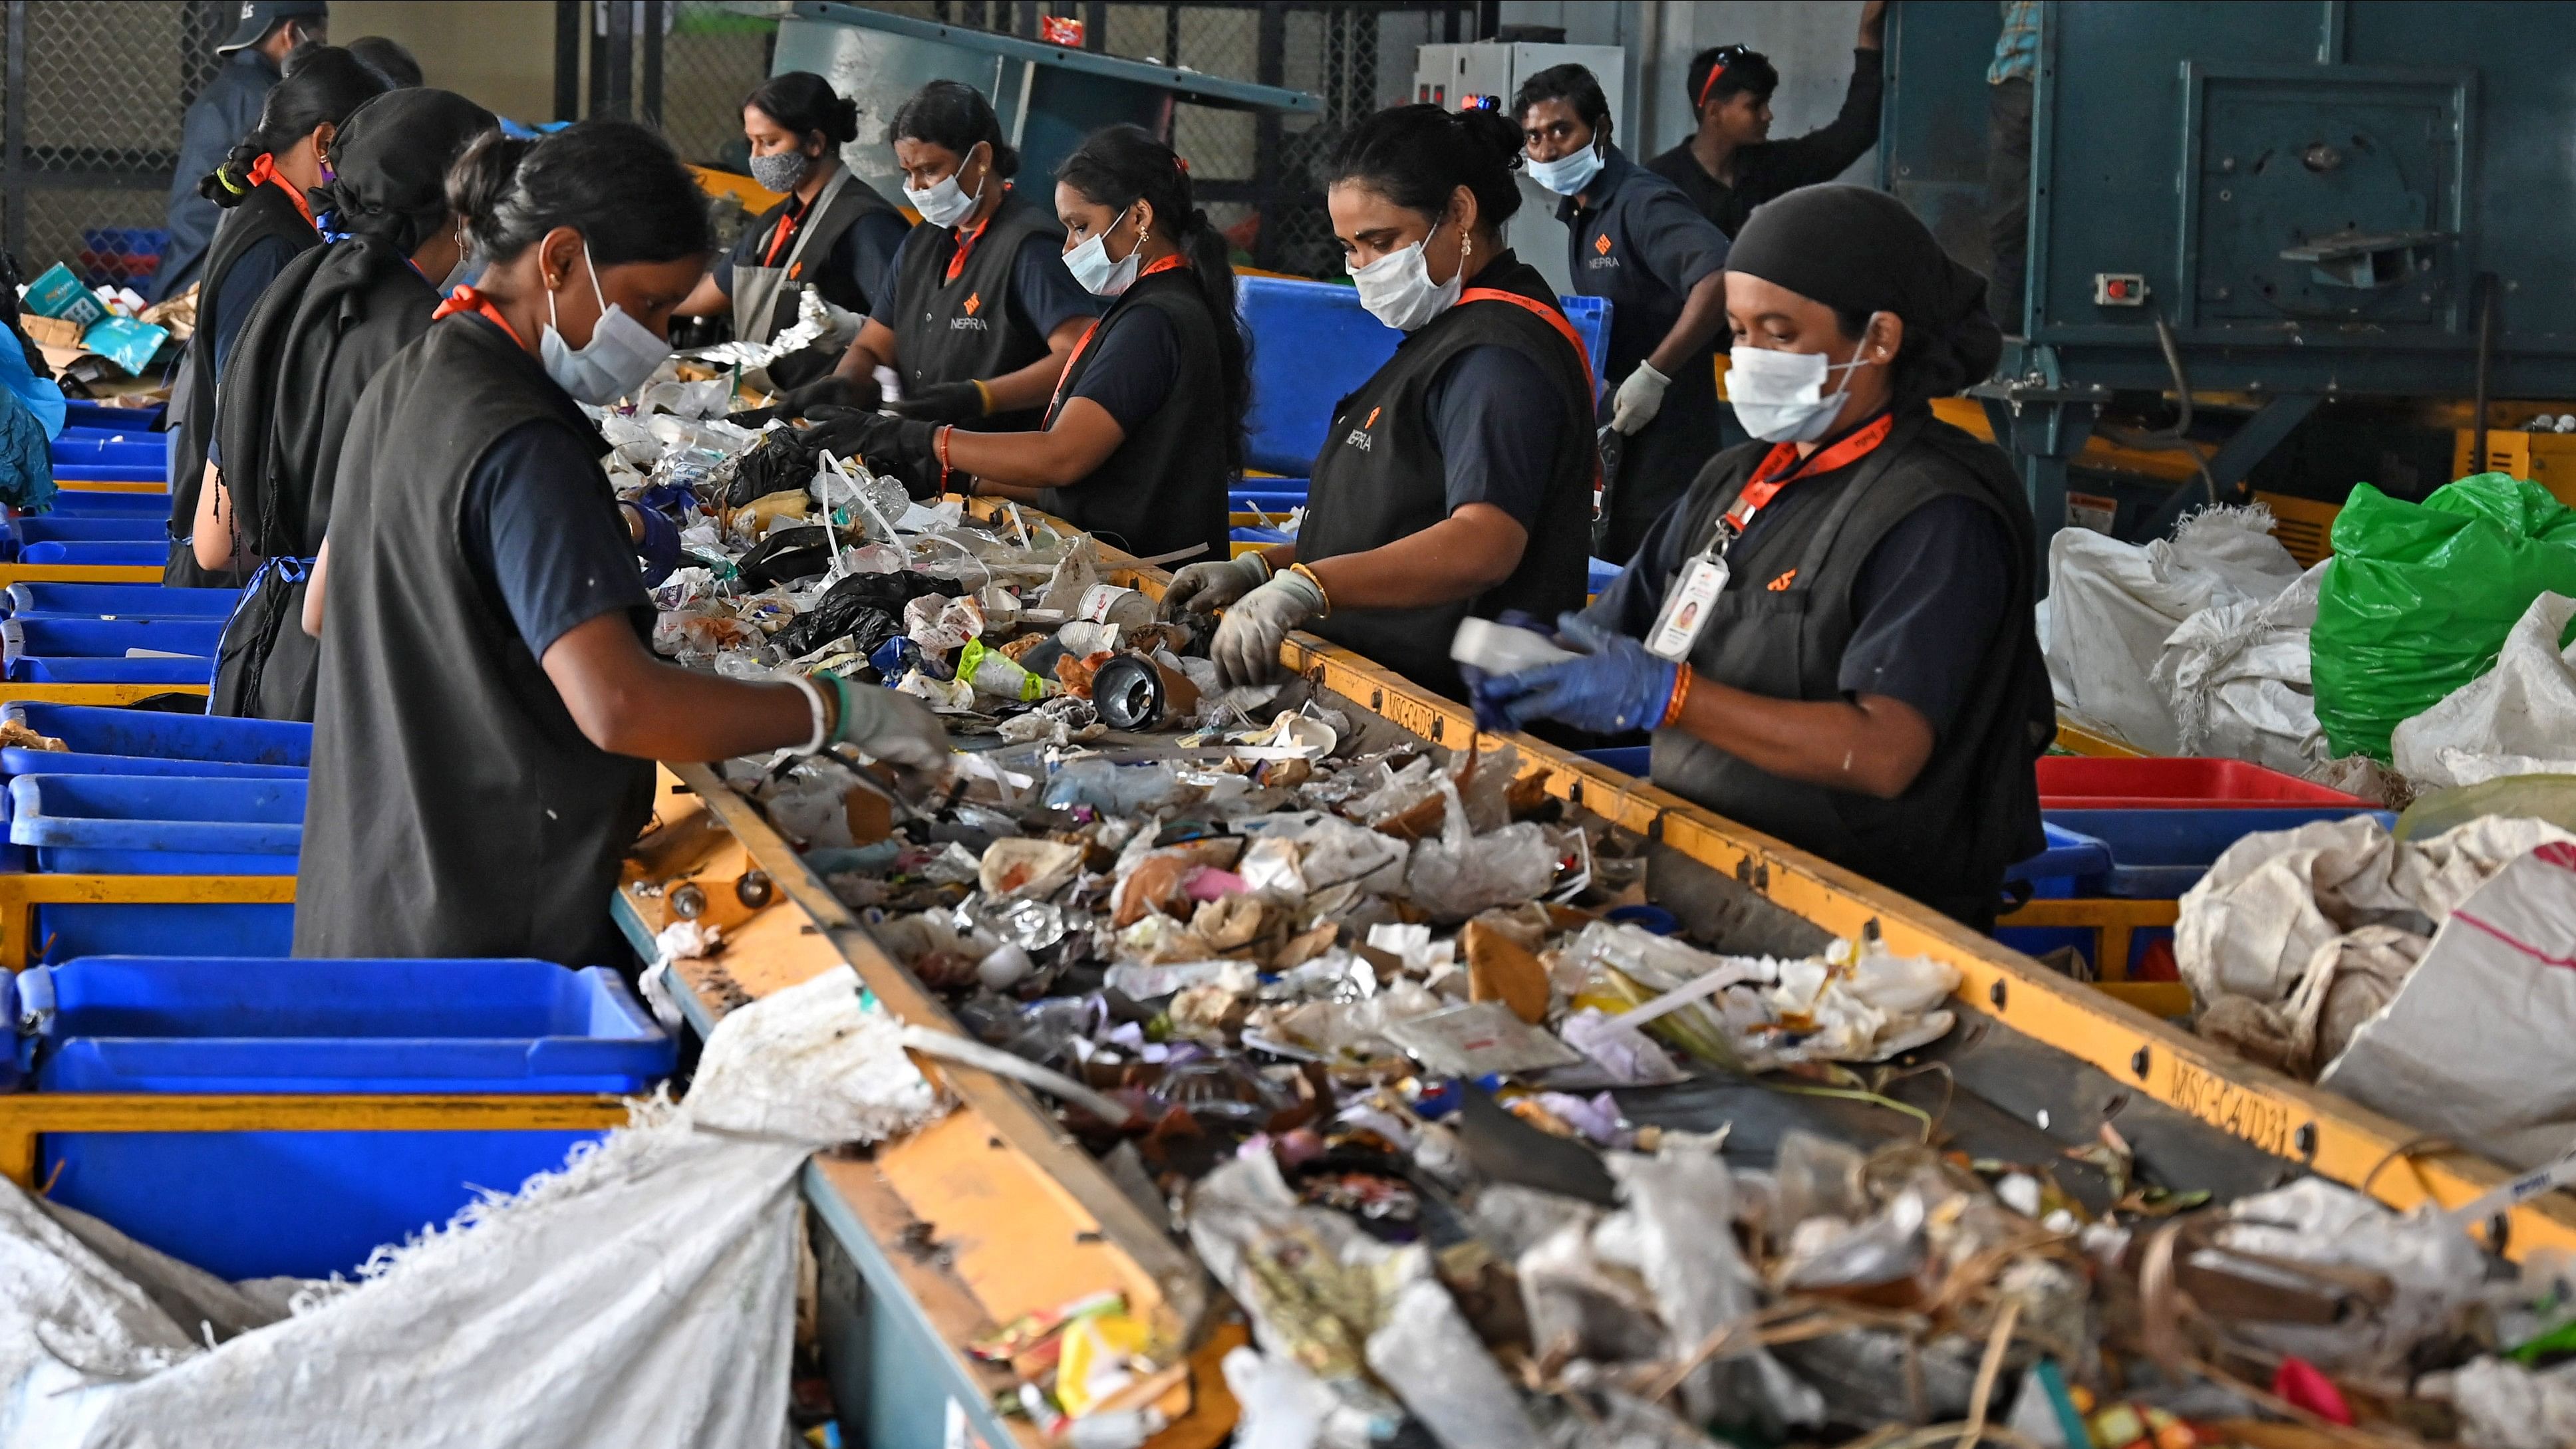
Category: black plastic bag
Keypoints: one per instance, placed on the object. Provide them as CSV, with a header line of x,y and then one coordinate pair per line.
x,y
788,555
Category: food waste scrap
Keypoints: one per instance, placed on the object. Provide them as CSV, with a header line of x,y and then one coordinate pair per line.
x,y
1376,1028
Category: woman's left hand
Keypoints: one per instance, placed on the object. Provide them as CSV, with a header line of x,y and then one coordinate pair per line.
x,y
946,402
1247,641
1615,687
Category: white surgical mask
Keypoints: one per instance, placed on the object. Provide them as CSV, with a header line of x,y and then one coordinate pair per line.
x,y
946,203
1566,175
1780,397
1093,270
620,356
1397,288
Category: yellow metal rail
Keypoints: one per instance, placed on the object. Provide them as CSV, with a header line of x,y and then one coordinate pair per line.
x,y
2074,739
22,891
27,1116
2113,922
101,694
115,485
27,573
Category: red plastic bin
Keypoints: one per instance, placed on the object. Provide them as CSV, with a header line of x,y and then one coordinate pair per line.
x,y
2077,782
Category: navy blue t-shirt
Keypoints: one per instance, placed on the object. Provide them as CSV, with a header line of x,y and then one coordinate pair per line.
x,y
1494,446
853,272
1043,291
539,533
1131,368
1927,602
252,271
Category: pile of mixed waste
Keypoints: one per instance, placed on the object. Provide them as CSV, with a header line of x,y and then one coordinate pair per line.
x,y
1361,1018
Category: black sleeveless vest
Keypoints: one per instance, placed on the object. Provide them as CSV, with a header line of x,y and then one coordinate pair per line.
x,y
455,808
1379,478
265,213
952,331
853,203
1165,487
1975,807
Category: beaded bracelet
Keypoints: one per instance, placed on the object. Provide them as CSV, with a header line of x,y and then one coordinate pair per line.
x,y
1681,692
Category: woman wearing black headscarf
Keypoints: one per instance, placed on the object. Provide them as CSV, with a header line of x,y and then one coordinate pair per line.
x,y
1830,633
310,346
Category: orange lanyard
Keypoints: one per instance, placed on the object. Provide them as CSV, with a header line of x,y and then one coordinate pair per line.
x,y
265,170
788,221
966,241
1783,458
467,299
1165,265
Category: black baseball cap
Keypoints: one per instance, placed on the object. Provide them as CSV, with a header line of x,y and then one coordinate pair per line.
x,y
258,17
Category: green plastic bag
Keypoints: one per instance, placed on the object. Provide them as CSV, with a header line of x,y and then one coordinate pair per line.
x,y
2420,597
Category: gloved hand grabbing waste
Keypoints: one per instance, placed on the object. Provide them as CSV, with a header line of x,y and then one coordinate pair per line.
x,y
1204,588
1638,399
1246,648
660,545
1615,687
890,726
947,402
829,391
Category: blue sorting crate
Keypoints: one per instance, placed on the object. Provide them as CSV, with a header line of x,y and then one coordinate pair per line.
x,y
122,553
148,742
71,473
107,503
101,417
1627,759
17,533
61,932
141,452
2071,857
121,602
1599,574
158,824
81,669
108,638
2160,854
252,1204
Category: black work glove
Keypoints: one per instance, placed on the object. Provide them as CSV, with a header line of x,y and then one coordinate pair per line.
x,y
883,442
829,391
944,402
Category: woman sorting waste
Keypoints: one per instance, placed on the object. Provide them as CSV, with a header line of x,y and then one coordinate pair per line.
x,y
309,347
1146,431
1830,635
489,713
1458,479
981,315
833,232
267,220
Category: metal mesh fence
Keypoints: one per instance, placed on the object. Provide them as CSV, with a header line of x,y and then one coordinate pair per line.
x,y
713,54
103,86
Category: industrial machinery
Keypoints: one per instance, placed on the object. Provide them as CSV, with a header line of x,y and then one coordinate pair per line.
x,y
1048,96
2279,205
1473,72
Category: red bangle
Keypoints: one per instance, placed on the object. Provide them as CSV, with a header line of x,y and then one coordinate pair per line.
x,y
1681,692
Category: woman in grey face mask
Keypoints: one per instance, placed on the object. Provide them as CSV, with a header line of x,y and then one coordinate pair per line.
x,y
832,231
307,349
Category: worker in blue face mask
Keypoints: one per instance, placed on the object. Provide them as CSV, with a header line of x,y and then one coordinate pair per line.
x,y
1632,237
1457,480
489,711
1830,634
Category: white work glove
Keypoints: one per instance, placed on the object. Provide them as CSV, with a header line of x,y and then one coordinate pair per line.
x,y
1638,399
893,727
1247,641
1204,588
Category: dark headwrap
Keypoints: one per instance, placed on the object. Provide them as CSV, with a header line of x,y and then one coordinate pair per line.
x,y
389,164
1859,251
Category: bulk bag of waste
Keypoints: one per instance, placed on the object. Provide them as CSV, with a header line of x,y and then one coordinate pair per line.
x,y
2420,597
2518,718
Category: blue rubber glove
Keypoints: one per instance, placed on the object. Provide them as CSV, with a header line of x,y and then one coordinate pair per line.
x,y
1487,704
1614,688
677,499
660,548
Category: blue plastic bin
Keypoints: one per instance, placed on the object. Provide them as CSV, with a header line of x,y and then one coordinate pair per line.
x,y
2161,854
79,669
121,553
16,533
158,824
251,1204
1627,760
139,451
108,638
65,931
101,417
2071,857
68,473
119,601
104,503
148,742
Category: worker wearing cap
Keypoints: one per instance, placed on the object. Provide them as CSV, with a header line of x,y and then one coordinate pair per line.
x,y
264,32
1633,238
1730,164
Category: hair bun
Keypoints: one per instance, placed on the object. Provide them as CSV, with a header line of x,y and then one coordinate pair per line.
x,y
845,122
1492,131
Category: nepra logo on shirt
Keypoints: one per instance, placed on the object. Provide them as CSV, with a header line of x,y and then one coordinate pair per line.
x,y
1601,253
1359,437
970,322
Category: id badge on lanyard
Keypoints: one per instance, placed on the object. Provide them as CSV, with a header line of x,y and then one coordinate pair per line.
x,y
1693,596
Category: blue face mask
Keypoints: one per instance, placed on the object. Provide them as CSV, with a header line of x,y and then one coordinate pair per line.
x,y
1566,175
619,358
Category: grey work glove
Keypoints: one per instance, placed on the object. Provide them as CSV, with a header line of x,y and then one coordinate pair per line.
x,y
1638,399
893,727
1247,641
1204,588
